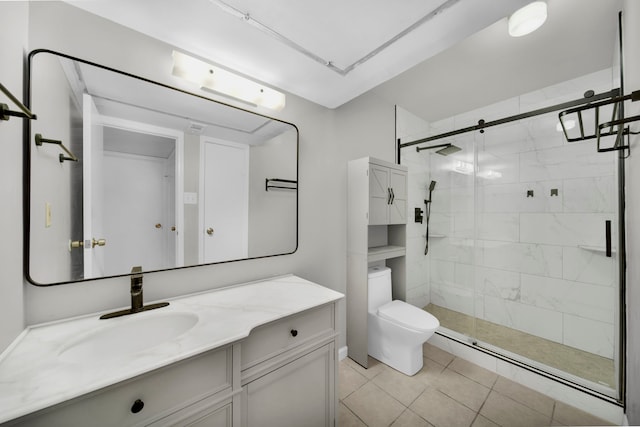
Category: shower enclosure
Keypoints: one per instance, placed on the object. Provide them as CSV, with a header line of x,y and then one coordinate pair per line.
x,y
523,257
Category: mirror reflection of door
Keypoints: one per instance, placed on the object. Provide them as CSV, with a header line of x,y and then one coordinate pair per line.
x,y
92,176
137,195
224,212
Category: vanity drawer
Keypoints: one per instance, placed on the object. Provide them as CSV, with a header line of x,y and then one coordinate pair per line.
x,y
269,340
161,392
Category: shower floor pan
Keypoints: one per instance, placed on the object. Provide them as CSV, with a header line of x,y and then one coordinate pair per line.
x,y
580,363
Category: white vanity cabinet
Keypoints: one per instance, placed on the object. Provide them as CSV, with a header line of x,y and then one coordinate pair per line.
x,y
271,364
289,372
387,193
180,394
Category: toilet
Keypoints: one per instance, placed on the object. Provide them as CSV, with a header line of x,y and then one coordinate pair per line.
x,y
396,330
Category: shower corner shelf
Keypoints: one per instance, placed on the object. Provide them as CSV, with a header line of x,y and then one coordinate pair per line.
x,y
379,253
599,249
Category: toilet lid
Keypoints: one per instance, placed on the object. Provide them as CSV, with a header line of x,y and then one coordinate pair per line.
x,y
408,316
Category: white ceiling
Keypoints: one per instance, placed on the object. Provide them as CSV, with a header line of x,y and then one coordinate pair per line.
x,y
579,37
328,52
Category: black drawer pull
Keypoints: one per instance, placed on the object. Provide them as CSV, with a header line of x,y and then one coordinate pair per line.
x,y
137,406
294,332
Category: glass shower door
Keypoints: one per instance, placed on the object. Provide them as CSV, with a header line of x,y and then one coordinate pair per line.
x,y
546,288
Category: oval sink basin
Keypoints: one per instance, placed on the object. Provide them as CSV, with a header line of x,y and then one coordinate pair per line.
x,y
130,335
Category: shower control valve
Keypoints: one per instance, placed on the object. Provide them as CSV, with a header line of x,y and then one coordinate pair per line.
x,y
418,215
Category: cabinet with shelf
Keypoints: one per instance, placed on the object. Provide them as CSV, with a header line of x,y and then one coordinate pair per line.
x,y
376,234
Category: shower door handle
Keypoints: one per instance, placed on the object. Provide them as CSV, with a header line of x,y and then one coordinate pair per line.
x,y
388,195
607,237
393,196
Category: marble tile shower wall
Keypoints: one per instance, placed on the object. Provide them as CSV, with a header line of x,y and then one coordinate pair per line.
x,y
532,263
408,128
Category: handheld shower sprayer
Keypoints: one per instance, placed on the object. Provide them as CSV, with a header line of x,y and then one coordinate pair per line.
x,y
432,186
427,202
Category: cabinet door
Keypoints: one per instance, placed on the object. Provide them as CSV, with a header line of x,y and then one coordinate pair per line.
x,y
218,418
398,206
379,195
299,393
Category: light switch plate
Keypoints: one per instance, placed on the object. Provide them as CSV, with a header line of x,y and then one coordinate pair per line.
x,y
47,214
190,198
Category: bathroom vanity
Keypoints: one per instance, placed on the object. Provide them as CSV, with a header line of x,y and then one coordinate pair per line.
x,y
257,354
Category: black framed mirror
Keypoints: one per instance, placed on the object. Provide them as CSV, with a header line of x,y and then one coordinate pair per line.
x,y
122,171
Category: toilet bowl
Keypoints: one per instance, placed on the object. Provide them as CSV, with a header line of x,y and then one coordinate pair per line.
x,y
396,330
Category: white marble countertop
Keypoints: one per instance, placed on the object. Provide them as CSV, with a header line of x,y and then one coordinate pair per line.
x,y
34,377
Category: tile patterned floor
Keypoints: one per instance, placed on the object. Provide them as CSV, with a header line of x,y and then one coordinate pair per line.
x,y
447,392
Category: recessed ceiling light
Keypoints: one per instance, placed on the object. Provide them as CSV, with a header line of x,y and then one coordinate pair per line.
x,y
527,19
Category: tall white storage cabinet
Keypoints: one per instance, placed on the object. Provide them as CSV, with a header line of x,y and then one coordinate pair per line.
x,y
376,234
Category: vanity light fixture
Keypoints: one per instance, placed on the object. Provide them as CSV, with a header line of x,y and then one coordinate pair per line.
x,y
463,167
527,19
216,79
491,174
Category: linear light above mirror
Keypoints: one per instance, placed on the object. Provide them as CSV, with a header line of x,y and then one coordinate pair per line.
x,y
165,178
219,80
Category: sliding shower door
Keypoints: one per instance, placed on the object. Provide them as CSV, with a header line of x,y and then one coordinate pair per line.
x,y
522,237
546,289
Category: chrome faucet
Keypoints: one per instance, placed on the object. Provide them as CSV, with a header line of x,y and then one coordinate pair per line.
x,y
137,304
136,289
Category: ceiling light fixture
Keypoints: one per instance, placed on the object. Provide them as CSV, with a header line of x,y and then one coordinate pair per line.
x,y
568,124
527,19
216,79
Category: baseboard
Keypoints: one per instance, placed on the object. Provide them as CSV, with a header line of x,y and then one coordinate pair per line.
x,y
342,353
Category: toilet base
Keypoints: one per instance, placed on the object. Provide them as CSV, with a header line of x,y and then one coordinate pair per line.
x,y
409,361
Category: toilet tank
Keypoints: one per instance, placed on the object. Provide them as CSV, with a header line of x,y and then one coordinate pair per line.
x,y
379,282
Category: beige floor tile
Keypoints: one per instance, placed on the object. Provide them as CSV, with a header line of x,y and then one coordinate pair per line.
x,y
571,416
528,397
474,372
410,419
346,418
374,406
507,412
481,421
400,386
349,380
375,367
436,354
458,387
441,410
429,372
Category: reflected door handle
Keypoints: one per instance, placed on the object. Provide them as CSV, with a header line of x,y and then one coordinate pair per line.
x,y
88,244
98,242
210,231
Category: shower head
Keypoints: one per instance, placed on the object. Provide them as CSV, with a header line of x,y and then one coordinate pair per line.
x,y
444,149
432,186
448,150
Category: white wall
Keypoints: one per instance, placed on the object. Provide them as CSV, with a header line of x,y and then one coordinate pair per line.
x,y
272,213
51,178
632,82
327,139
13,21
